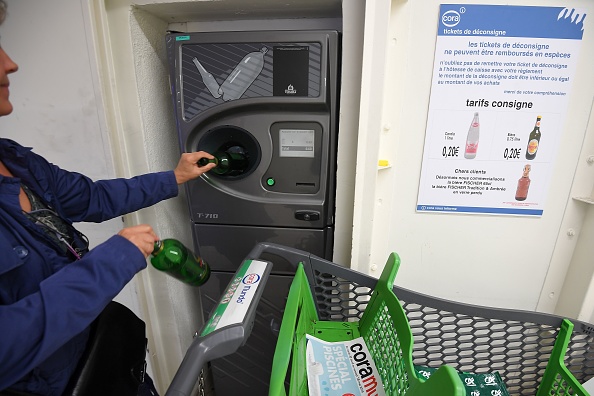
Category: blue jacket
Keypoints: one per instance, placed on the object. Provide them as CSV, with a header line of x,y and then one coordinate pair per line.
x,y
48,302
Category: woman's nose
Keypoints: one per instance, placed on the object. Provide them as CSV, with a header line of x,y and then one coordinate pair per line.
x,y
9,65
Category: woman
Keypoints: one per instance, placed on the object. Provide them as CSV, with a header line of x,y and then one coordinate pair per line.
x,y
51,286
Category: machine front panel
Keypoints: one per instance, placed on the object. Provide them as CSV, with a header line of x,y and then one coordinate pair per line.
x,y
265,103
214,73
225,247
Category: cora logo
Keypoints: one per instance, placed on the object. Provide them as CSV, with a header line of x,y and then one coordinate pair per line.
x,y
250,279
450,18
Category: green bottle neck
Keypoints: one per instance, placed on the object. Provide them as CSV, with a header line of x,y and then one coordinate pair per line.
x,y
158,247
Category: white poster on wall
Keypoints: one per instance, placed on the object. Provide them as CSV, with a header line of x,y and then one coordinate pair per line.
x,y
502,77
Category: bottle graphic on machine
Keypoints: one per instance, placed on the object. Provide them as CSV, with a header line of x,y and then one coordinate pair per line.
x,y
523,184
239,80
174,258
533,140
472,139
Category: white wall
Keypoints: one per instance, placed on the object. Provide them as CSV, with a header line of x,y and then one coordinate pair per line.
x,y
576,298
509,262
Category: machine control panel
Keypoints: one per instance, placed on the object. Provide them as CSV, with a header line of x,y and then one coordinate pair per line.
x,y
296,161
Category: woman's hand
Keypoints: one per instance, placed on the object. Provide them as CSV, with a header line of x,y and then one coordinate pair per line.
x,y
142,236
188,169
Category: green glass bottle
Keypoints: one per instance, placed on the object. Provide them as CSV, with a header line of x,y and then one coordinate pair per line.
x,y
172,257
231,162
206,161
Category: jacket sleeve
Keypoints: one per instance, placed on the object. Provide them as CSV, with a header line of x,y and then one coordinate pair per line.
x,y
66,304
81,199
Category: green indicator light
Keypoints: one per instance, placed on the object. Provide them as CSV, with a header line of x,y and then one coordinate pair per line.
x,y
182,38
270,181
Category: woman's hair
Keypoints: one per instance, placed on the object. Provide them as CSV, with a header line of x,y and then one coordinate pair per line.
x,y
2,10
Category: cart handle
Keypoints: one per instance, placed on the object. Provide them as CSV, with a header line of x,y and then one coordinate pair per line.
x,y
294,256
228,327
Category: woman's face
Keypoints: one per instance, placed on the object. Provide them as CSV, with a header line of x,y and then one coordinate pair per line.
x,y
7,66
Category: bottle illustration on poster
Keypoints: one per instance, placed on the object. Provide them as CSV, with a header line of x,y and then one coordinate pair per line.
x,y
523,184
239,80
472,139
533,140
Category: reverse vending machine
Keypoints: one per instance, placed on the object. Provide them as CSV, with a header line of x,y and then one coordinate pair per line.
x,y
266,105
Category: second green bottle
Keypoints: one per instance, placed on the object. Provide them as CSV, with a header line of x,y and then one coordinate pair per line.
x,y
174,258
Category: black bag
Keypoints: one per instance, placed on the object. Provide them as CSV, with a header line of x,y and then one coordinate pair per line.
x,y
114,360
113,363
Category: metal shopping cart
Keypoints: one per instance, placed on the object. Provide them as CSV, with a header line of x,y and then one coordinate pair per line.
x,y
534,353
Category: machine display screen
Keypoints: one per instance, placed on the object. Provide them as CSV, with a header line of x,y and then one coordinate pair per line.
x,y
296,143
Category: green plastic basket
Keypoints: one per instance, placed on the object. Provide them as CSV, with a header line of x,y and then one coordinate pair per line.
x,y
557,379
383,326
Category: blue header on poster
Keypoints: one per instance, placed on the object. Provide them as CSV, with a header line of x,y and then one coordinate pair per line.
x,y
511,21
477,209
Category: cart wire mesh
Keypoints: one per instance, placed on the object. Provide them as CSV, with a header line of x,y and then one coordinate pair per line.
x,y
517,344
